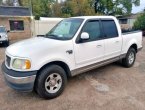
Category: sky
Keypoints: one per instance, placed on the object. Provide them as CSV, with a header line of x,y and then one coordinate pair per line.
x,y
139,8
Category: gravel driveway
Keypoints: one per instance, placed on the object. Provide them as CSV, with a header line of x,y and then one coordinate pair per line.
x,y
111,87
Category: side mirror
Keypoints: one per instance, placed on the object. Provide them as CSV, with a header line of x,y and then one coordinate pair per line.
x,y
85,36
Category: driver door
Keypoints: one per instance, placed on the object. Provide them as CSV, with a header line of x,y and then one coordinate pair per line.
x,y
90,51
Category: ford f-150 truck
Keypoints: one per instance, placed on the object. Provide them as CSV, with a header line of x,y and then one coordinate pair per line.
x,y
73,46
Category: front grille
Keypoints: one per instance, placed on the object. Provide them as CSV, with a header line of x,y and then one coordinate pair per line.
x,y
8,61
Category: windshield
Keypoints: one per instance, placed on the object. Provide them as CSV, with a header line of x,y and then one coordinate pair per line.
x,y
65,30
2,29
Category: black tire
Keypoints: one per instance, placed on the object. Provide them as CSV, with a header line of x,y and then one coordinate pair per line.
x,y
41,81
6,44
125,61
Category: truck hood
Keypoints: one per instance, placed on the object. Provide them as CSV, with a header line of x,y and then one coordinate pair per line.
x,y
33,46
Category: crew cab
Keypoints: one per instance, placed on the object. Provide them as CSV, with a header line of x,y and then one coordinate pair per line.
x,y
3,36
73,46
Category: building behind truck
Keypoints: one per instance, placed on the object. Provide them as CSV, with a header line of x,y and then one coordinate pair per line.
x,y
17,20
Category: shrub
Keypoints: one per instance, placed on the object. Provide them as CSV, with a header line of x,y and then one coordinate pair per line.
x,y
140,22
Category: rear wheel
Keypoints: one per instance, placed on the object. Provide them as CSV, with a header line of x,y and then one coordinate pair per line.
x,y
129,60
51,82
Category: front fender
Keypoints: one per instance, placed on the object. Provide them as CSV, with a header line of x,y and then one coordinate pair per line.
x,y
69,60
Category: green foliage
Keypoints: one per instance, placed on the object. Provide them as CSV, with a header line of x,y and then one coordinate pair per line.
x,y
77,8
24,2
140,22
115,7
40,8
49,8
6,3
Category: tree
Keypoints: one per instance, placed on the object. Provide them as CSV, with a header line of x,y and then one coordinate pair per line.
x,y
114,7
68,8
77,8
7,2
104,6
140,22
40,8
0,2
24,2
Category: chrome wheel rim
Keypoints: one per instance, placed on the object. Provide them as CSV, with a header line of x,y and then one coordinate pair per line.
x,y
53,83
131,58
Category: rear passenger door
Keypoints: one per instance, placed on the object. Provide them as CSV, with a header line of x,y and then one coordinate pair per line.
x,y
113,42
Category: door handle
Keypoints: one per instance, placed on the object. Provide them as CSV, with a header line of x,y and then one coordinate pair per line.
x,y
116,41
98,46
69,51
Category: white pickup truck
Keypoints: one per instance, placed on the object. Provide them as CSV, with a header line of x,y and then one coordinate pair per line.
x,y
73,46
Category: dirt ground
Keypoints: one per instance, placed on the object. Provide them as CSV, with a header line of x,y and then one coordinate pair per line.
x,y
111,87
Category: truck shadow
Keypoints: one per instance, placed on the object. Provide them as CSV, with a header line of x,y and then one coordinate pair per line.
x,y
98,73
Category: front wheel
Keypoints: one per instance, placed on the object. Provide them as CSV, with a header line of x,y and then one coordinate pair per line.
x,y
51,82
129,60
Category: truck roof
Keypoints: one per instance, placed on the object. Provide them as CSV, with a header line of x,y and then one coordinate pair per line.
x,y
91,17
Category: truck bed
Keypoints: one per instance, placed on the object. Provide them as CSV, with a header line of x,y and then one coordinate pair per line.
x,y
131,37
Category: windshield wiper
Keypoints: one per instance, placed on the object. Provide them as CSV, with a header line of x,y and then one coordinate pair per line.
x,y
40,35
51,36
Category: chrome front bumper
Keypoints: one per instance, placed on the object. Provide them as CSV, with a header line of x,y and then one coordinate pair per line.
x,y
2,41
21,81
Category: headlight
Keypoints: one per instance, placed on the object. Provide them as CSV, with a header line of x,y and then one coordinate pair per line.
x,y
5,36
21,64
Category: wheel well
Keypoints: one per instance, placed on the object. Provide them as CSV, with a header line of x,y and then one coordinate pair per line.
x,y
134,46
61,64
